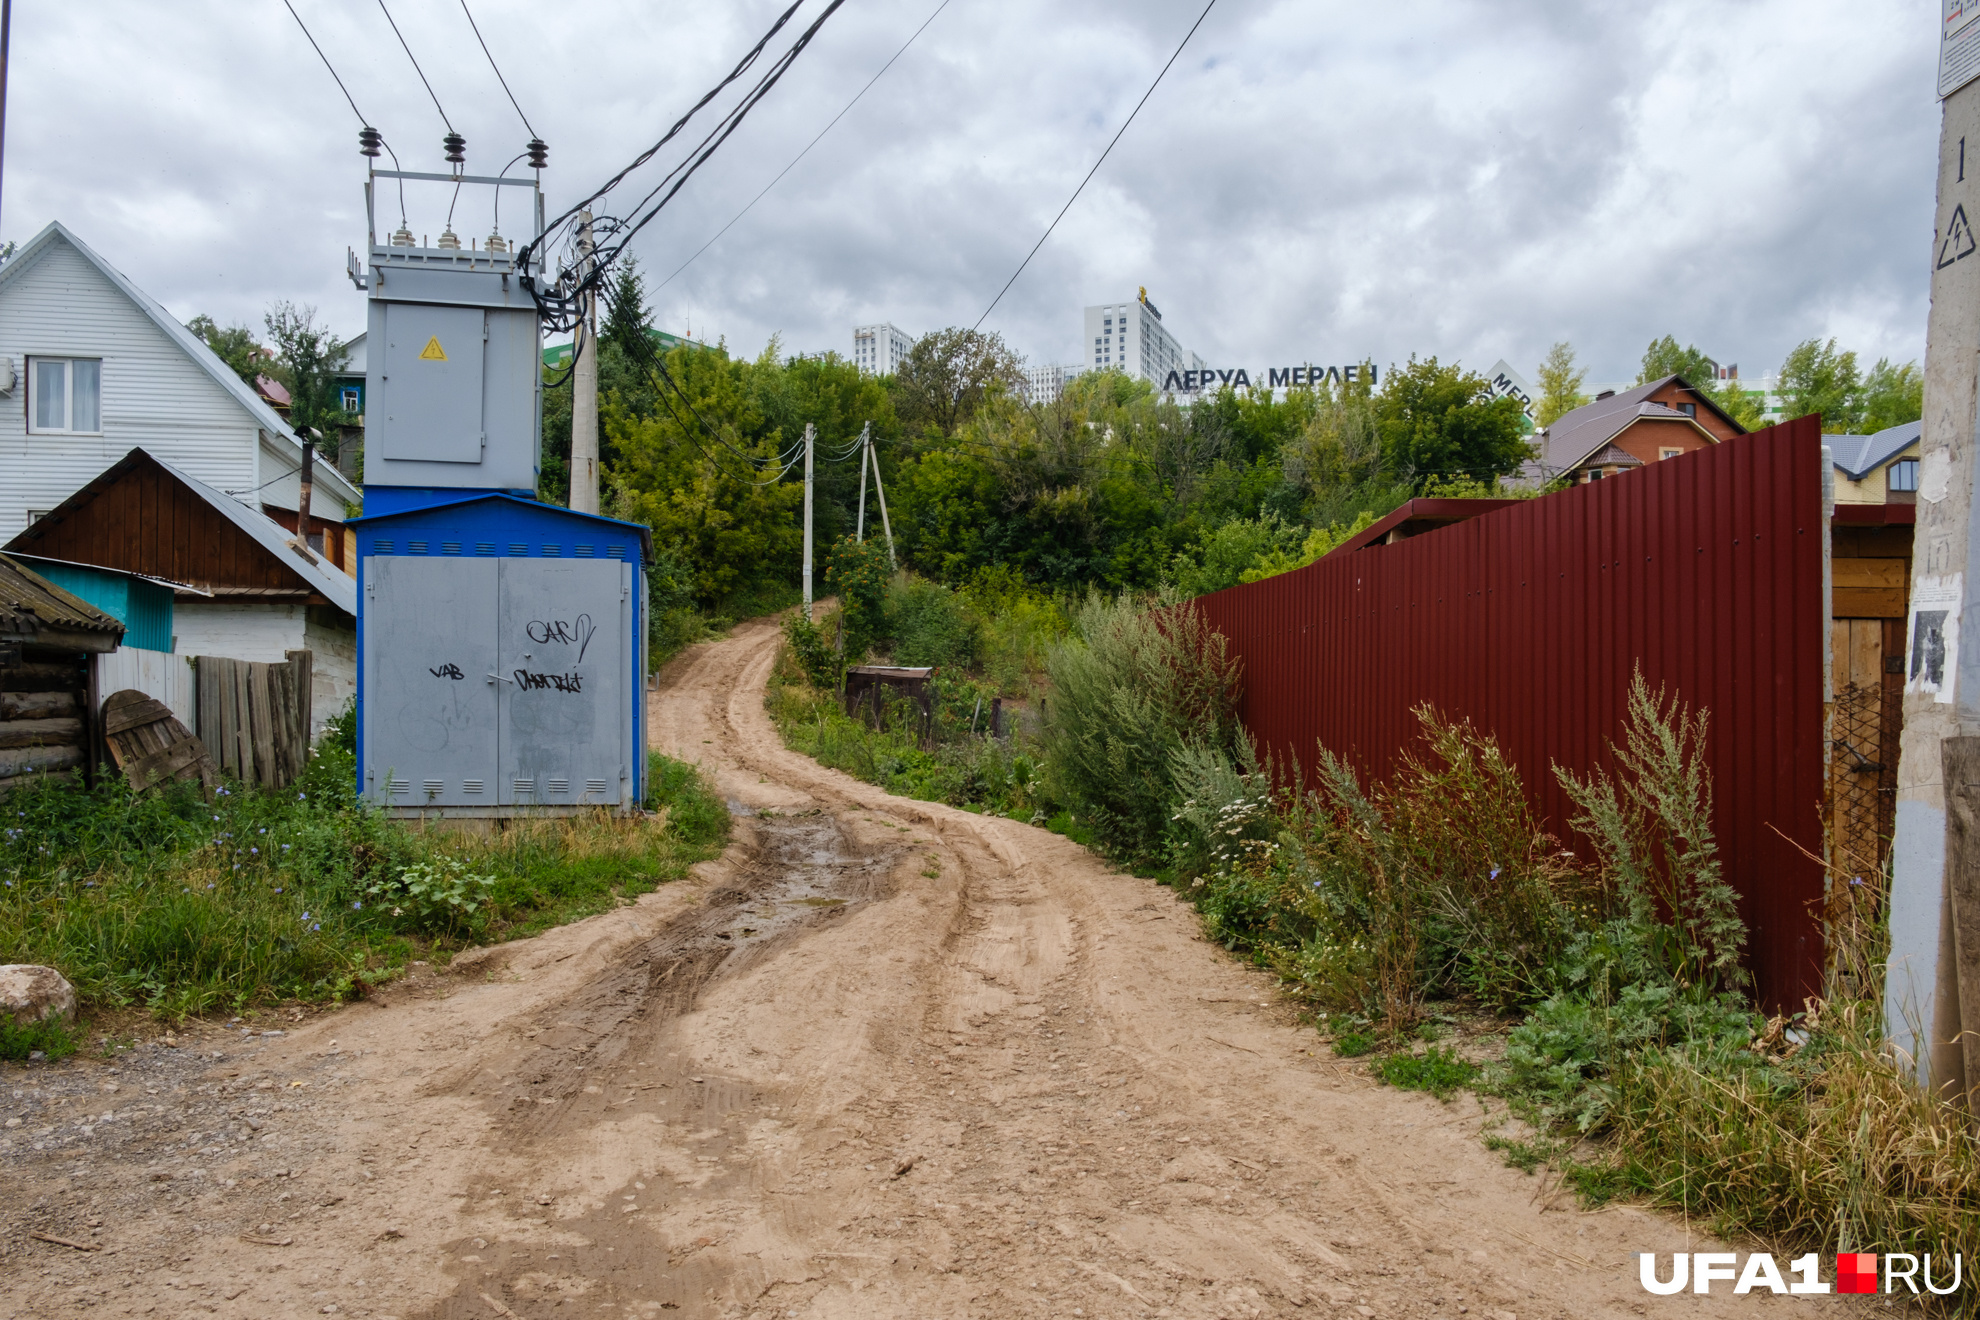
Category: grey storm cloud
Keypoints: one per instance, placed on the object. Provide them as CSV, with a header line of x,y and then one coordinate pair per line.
x,y
1310,182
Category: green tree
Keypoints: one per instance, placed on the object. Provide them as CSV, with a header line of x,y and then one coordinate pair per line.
x,y
1664,358
626,317
1560,384
307,360
1436,420
949,374
1816,378
1892,395
236,346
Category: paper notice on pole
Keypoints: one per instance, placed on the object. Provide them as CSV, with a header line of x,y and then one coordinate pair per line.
x,y
1933,657
1959,46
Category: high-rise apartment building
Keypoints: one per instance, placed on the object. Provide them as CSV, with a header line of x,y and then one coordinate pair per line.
x,y
1044,384
1130,337
879,350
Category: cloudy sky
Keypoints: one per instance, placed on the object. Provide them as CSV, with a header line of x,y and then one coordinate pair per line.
x,y
1312,182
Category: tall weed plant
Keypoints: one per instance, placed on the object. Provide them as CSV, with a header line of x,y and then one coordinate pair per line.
x,y
1130,688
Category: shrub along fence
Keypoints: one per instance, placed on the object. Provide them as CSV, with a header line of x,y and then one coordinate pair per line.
x,y
1703,572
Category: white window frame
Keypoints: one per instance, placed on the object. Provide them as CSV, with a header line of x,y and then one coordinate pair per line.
x,y
1668,452
1891,477
34,361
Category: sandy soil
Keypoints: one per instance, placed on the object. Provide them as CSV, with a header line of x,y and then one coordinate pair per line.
x,y
883,1059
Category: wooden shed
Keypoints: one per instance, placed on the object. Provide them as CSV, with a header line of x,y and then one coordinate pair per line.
x,y
47,636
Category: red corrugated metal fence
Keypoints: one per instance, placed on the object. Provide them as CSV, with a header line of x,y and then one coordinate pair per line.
x,y
1704,570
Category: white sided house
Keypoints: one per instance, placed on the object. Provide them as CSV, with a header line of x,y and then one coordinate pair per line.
x,y
92,368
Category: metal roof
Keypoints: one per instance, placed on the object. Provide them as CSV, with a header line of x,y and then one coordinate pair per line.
x,y
191,344
1857,456
31,604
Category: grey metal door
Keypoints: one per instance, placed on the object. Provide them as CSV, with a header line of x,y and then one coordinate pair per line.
x,y
429,395
430,708
562,651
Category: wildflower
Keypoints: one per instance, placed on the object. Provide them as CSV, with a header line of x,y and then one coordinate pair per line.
x,y
1495,873
278,891
254,850
357,907
305,916
285,847
317,926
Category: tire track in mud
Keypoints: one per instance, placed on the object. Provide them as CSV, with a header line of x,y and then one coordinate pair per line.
x,y
805,871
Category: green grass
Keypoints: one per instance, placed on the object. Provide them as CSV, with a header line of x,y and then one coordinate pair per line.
x,y
993,776
1437,1070
52,1039
1353,1044
179,906
1525,1156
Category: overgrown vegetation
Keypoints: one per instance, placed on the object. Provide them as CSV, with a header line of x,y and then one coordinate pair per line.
x,y
1617,980
181,906
987,641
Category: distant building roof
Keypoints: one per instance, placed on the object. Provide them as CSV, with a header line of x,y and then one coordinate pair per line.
x,y
1857,456
36,611
272,390
554,354
1575,436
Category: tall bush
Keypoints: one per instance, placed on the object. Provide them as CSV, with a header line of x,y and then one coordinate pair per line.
x,y
1130,688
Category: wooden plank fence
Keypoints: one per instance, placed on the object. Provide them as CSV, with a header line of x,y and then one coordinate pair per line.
x,y
254,717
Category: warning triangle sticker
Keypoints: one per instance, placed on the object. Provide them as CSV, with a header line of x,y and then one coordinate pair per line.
x,y
434,353
1959,239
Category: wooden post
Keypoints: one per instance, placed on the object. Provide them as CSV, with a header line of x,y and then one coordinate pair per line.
x,y
1962,781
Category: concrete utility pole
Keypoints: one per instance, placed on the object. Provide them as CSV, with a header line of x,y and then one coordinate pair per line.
x,y
1932,986
809,433
881,490
865,454
584,388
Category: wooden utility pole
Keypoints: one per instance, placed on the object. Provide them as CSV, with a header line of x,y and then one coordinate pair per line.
x,y
810,433
584,386
1935,936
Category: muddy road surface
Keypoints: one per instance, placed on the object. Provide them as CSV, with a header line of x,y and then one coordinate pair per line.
x,y
884,1059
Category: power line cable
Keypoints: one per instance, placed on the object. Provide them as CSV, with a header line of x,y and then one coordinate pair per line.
x,y
416,69
807,149
557,302
326,64
1096,166
362,121
498,72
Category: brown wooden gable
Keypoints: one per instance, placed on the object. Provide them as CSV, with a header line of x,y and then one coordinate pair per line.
x,y
140,518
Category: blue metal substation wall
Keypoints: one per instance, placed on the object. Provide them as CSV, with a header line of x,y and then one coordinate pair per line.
x,y
467,540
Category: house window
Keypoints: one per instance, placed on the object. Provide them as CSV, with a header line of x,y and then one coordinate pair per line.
x,y
1669,453
1688,409
1595,474
36,515
353,399
65,395
1904,474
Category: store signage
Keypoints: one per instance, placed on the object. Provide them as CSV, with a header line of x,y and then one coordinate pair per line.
x,y
1211,378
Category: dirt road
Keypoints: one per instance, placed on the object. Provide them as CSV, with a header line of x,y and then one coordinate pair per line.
x,y
885,1059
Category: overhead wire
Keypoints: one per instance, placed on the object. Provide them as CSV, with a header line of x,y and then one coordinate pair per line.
x,y
807,147
1096,166
416,69
349,100
498,73
559,301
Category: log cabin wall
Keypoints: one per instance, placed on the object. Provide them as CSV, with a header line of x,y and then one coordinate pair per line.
x,y
44,724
